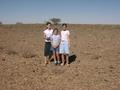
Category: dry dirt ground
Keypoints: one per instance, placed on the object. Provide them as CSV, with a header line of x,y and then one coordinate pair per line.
x,y
96,66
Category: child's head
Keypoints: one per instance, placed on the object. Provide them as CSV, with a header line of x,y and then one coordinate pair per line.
x,y
64,26
55,31
48,25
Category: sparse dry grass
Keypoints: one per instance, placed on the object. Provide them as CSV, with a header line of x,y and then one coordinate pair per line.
x,y
96,66
28,53
11,52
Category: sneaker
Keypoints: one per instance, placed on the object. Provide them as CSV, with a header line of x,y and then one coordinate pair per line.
x,y
58,62
55,62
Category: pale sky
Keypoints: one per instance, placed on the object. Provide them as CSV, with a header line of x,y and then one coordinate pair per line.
x,y
69,11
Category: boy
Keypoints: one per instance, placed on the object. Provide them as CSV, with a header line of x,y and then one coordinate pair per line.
x,y
65,44
47,36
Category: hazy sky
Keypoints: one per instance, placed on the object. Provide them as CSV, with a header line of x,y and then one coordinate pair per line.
x,y
69,11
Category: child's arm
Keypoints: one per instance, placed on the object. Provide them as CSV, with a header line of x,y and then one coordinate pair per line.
x,y
69,38
59,39
44,36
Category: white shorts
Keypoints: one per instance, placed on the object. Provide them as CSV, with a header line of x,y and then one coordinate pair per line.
x,y
64,48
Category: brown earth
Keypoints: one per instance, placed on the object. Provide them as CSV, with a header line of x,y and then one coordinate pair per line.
x,y
96,66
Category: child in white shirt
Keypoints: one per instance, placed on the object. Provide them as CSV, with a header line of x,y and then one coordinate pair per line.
x,y
65,44
47,36
55,41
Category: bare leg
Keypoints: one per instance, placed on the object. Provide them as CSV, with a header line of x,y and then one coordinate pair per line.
x,y
67,59
46,58
63,60
54,56
58,57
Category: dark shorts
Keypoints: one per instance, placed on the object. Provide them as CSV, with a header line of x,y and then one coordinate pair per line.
x,y
47,49
55,49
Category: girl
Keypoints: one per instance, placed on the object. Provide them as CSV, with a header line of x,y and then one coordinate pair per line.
x,y
55,41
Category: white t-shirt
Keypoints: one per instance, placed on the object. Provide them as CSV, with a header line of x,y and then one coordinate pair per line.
x,y
64,35
55,40
48,34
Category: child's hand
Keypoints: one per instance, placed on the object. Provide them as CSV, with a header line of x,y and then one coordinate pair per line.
x,y
48,38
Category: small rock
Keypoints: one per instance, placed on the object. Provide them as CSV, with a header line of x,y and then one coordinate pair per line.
x,y
33,70
3,59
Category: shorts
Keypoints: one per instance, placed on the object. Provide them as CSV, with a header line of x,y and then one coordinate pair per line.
x,y
47,49
64,48
55,49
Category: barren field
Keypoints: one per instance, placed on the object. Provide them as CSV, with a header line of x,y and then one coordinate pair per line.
x,y
96,66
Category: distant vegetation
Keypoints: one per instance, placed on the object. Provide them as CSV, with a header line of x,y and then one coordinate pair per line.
x,y
19,23
1,23
55,21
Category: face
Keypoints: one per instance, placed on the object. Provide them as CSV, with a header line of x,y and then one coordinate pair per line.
x,y
49,26
55,32
64,27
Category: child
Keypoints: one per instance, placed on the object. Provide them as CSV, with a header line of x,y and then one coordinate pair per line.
x,y
47,36
65,44
55,41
